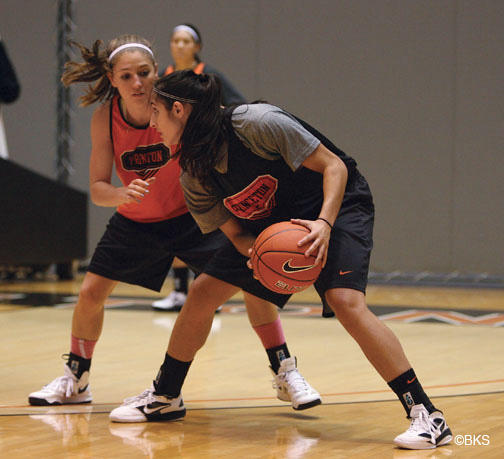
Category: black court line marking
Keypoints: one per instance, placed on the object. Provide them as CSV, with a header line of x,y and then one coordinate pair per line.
x,y
255,407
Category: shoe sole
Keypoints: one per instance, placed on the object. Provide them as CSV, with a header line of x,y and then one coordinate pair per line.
x,y
305,406
446,438
426,446
170,416
42,402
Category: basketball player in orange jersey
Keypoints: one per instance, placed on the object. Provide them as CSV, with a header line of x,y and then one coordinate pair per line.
x,y
248,167
185,45
151,226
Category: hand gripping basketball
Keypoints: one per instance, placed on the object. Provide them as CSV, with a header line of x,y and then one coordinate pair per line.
x,y
279,263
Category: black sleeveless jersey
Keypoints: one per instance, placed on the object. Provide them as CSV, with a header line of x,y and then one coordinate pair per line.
x,y
261,192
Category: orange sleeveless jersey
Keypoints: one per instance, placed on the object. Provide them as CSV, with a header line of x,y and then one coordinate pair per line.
x,y
140,153
198,69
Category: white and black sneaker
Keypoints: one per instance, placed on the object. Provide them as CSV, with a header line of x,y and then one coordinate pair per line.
x,y
427,431
149,406
66,389
292,387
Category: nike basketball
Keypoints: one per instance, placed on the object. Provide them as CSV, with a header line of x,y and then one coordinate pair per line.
x,y
279,264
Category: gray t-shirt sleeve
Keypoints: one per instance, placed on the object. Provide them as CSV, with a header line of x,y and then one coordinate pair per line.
x,y
272,133
206,207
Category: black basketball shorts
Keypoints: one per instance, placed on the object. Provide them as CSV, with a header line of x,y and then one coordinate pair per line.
x,y
348,255
142,253
230,266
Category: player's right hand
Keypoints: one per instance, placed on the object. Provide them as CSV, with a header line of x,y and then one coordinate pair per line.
x,y
137,190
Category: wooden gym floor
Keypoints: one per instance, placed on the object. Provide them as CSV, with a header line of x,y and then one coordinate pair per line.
x,y
453,336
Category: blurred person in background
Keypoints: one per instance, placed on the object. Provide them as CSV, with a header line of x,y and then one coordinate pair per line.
x,y
9,92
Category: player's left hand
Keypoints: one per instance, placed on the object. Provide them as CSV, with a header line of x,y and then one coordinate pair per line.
x,y
249,263
318,238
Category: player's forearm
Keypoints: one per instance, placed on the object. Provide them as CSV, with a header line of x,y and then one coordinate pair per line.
x,y
104,194
334,184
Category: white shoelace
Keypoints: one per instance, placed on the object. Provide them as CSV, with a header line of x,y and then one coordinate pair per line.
x,y
146,396
295,380
422,424
62,385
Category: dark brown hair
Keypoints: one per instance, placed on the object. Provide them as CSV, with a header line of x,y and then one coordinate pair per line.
x,y
205,131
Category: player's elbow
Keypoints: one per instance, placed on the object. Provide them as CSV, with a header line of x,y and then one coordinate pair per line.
x,y
95,199
96,194
339,170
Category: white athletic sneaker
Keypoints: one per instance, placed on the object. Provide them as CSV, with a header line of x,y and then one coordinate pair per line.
x,y
292,387
173,302
427,431
63,390
149,407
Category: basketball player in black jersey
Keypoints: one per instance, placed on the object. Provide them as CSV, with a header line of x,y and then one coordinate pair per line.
x,y
227,155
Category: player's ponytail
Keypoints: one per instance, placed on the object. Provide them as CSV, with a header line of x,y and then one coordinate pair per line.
x,y
93,67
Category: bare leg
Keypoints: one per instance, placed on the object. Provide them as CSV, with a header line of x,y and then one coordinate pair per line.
x,y
189,334
289,383
259,311
87,321
194,321
383,350
378,342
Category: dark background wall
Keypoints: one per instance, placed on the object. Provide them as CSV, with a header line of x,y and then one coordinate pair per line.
x,y
411,88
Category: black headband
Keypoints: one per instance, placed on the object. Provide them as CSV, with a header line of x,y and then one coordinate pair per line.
x,y
171,96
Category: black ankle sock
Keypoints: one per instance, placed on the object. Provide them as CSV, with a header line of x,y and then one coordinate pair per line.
x,y
276,355
180,279
171,376
78,365
409,391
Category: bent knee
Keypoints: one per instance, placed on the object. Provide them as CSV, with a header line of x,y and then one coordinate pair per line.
x,y
199,286
89,297
94,291
201,294
345,302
